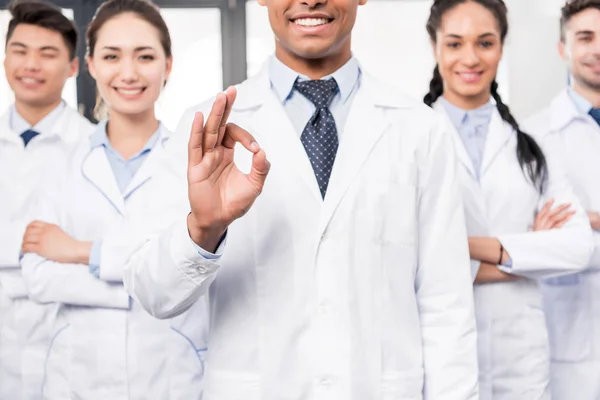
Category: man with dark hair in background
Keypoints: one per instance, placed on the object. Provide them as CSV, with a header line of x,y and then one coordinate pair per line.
x,y
40,56
572,303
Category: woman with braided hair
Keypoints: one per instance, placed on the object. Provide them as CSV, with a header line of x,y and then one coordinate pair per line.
x,y
523,220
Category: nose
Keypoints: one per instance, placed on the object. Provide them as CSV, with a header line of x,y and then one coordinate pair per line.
x,y
469,56
32,62
128,71
313,3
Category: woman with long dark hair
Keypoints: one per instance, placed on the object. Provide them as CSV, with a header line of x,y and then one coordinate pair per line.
x,y
523,221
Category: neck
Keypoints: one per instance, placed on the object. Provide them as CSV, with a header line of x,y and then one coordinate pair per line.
x,y
314,68
129,133
467,102
591,95
33,114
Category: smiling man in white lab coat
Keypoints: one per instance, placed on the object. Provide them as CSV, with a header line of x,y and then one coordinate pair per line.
x,y
348,277
572,303
34,131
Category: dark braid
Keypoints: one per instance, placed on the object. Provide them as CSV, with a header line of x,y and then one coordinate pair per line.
x,y
530,155
436,88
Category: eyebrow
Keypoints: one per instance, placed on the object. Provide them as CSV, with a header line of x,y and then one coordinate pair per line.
x,y
484,35
43,48
584,32
51,48
137,49
17,44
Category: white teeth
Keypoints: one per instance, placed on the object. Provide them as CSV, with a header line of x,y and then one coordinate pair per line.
x,y
470,76
311,21
30,80
130,92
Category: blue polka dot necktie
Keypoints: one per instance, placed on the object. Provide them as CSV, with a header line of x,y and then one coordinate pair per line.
x,y
595,113
319,137
28,135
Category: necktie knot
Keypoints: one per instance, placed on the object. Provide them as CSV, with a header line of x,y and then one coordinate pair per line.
x,y
28,135
595,113
319,92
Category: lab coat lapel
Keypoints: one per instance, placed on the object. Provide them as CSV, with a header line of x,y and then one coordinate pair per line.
x,y
499,134
147,169
365,125
97,170
277,135
461,151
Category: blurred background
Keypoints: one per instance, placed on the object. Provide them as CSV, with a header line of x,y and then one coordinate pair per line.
x,y
217,43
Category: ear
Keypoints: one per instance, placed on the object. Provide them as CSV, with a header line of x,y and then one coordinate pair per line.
x,y
262,2
562,50
90,63
74,67
434,50
362,2
169,68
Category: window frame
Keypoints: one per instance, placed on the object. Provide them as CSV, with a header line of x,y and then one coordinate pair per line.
x,y
233,40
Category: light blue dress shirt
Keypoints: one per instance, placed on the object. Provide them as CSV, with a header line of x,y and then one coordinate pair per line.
x,y
581,103
44,127
123,171
299,109
473,127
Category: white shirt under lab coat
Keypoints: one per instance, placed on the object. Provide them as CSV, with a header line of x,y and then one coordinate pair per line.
x,y
364,295
512,336
106,346
24,325
572,303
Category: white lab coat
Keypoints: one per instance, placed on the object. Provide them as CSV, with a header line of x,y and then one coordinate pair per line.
x,y
572,303
512,336
24,325
105,346
365,295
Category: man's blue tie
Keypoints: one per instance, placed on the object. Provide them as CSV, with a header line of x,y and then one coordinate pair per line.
x,y
595,113
319,136
28,135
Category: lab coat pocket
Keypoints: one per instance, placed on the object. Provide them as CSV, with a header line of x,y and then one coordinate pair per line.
x,y
402,385
188,350
228,385
520,355
57,371
568,318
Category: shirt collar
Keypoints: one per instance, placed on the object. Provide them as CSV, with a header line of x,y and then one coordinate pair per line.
x,y
283,78
44,127
100,138
460,117
581,103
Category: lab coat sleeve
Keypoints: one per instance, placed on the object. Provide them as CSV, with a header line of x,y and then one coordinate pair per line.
x,y
595,260
444,282
11,238
166,274
554,252
48,281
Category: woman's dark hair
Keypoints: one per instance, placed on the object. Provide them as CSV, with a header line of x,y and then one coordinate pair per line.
x,y
530,155
143,9
45,15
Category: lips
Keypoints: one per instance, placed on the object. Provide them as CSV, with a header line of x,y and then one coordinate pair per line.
x,y
470,76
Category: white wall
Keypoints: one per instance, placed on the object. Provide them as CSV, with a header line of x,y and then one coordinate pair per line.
x,y
536,72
